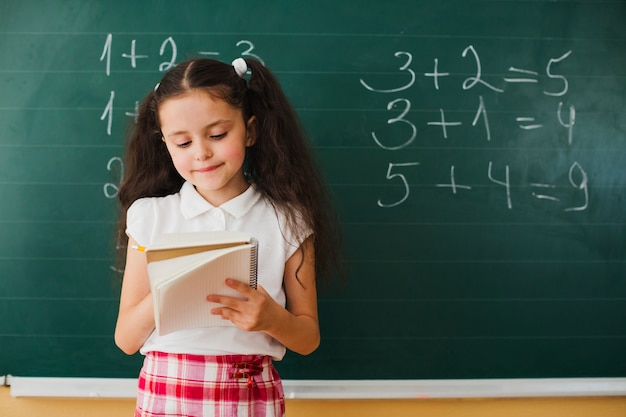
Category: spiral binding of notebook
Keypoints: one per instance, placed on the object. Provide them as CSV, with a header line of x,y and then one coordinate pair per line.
x,y
254,262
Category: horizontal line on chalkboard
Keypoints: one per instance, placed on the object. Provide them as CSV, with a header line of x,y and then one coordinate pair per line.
x,y
378,261
64,299
467,300
391,338
58,108
383,110
486,261
62,146
56,221
63,336
450,223
299,110
67,71
346,223
297,72
323,300
473,185
52,258
433,109
365,148
485,223
316,35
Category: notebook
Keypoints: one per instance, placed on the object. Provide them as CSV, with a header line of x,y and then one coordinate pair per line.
x,y
186,267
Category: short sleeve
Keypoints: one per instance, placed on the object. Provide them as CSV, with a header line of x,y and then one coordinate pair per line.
x,y
140,219
294,238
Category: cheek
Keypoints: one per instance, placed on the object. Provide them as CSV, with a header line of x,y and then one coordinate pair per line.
x,y
181,162
235,154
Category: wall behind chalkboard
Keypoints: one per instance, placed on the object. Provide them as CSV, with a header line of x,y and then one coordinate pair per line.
x,y
475,150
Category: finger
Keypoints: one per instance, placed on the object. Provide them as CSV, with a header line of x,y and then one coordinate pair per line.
x,y
227,314
239,286
221,311
224,300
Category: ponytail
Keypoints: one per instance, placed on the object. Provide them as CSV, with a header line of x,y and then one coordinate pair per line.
x,y
285,170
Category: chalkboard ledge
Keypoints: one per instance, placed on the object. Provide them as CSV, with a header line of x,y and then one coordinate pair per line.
x,y
346,389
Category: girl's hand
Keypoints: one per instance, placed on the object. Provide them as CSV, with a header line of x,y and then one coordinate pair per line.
x,y
295,327
252,313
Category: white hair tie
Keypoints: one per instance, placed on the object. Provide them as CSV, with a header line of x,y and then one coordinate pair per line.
x,y
240,67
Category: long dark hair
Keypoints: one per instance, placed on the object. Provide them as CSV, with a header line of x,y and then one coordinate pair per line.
x,y
280,163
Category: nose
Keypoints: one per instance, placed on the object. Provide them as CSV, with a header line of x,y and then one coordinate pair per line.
x,y
203,150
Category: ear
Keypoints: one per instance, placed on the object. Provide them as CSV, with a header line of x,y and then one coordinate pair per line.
x,y
251,131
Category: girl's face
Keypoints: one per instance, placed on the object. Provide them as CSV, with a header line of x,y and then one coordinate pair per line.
x,y
207,140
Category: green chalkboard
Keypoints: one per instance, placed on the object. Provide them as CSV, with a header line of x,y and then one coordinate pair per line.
x,y
476,151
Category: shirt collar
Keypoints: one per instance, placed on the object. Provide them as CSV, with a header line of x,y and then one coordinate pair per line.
x,y
192,204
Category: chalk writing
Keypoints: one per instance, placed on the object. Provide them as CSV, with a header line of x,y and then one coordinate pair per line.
x,y
525,79
482,112
448,125
444,124
111,189
472,81
556,76
108,112
404,67
581,185
168,50
436,74
133,56
106,53
453,185
571,120
506,183
402,178
164,66
248,52
400,118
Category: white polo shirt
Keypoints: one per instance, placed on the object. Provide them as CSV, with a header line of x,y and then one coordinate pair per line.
x,y
188,211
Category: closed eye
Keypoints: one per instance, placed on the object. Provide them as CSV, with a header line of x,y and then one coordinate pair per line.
x,y
218,137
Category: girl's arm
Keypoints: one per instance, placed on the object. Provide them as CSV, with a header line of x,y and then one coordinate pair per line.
x,y
297,326
135,320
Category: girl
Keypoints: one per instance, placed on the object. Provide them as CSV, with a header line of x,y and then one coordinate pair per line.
x,y
211,151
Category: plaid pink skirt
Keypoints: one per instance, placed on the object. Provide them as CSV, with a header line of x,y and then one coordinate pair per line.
x,y
219,386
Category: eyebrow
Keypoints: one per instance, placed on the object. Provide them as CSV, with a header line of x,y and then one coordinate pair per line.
x,y
210,125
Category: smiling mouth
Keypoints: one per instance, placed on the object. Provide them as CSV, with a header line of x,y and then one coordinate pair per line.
x,y
208,169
